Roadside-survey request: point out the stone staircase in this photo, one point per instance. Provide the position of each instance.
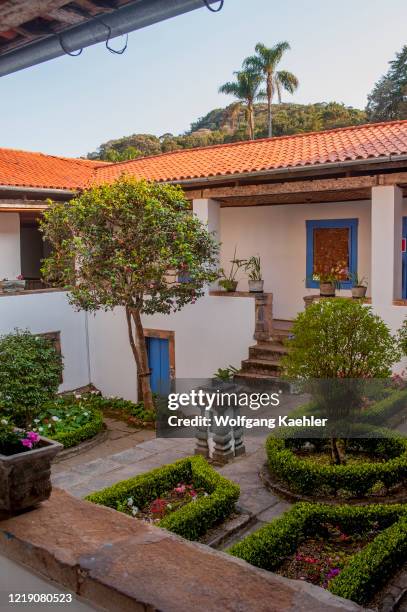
(264, 362)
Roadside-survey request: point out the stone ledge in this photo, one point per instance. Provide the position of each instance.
(251, 294)
(120, 564)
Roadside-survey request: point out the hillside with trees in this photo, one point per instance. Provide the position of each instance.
(228, 124)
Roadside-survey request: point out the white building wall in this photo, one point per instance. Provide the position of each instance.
(51, 312)
(278, 235)
(10, 262)
(213, 333)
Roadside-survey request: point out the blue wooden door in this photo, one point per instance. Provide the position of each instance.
(404, 259)
(159, 364)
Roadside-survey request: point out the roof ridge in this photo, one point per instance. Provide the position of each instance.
(258, 140)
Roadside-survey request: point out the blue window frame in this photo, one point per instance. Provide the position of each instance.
(352, 226)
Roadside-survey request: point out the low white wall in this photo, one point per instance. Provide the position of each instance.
(278, 235)
(215, 332)
(10, 262)
(51, 312)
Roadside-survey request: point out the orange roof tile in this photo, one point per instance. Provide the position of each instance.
(28, 169)
(308, 149)
(370, 141)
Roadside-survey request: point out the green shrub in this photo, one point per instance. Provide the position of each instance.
(309, 478)
(68, 420)
(366, 571)
(121, 405)
(30, 374)
(190, 521)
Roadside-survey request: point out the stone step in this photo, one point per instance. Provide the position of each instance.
(262, 382)
(262, 366)
(267, 350)
(282, 324)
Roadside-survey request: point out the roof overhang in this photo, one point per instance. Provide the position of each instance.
(35, 32)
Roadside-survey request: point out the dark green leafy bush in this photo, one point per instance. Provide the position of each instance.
(119, 404)
(190, 521)
(367, 570)
(30, 374)
(310, 478)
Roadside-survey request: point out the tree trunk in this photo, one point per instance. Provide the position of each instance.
(138, 346)
(251, 121)
(269, 99)
(337, 452)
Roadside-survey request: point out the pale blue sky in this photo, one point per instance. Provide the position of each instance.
(171, 72)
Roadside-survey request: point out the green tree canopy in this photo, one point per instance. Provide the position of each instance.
(126, 244)
(388, 99)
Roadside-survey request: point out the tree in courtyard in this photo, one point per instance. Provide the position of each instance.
(265, 62)
(125, 245)
(246, 88)
(337, 344)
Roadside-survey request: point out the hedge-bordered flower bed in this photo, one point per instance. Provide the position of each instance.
(69, 420)
(190, 521)
(366, 571)
(308, 477)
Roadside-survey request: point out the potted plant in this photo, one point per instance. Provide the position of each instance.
(10, 286)
(228, 281)
(25, 468)
(253, 267)
(359, 286)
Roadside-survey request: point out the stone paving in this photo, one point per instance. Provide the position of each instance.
(90, 471)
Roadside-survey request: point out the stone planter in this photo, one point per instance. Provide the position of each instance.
(327, 289)
(10, 286)
(359, 292)
(25, 478)
(256, 286)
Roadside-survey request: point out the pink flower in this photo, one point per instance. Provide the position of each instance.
(180, 489)
(27, 443)
(33, 437)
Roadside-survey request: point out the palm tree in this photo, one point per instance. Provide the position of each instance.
(265, 62)
(246, 88)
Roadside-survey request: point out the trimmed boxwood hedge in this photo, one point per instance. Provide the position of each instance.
(366, 571)
(308, 477)
(86, 431)
(190, 521)
(392, 406)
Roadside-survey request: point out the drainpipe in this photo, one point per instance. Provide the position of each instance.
(134, 16)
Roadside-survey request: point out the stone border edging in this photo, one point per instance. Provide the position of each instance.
(82, 447)
(277, 487)
(121, 564)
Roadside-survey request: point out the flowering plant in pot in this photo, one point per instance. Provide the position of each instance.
(25, 468)
(253, 267)
(228, 281)
(330, 279)
(359, 286)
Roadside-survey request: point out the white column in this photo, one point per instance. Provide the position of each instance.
(386, 281)
(10, 258)
(208, 212)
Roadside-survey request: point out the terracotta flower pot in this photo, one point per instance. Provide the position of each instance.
(358, 292)
(327, 289)
(25, 478)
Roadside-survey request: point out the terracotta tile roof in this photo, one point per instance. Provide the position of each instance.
(371, 141)
(308, 149)
(27, 169)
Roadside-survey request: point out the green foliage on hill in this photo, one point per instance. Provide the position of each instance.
(228, 124)
(388, 99)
